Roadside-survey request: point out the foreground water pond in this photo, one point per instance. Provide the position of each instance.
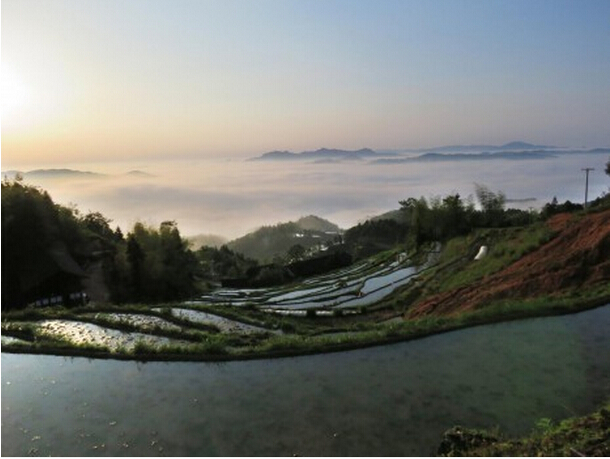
(388, 400)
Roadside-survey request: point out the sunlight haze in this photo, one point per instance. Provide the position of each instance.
(305, 228)
(189, 91)
(92, 80)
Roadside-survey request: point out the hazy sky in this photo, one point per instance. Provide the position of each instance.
(108, 80)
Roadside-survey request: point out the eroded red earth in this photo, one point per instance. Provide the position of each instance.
(577, 257)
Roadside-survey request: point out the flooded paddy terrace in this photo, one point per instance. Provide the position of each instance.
(349, 289)
(225, 318)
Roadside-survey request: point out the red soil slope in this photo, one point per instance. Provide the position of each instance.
(579, 256)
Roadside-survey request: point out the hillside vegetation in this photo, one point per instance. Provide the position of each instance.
(272, 243)
(580, 436)
(49, 253)
(569, 255)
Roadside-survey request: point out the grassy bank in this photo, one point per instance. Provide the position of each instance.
(579, 436)
(163, 335)
(230, 346)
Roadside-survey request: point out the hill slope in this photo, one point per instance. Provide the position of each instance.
(578, 257)
(269, 242)
(313, 223)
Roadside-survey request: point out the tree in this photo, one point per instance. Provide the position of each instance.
(154, 265)
(418, 215)
(454, 217)
(608, 167)
(296, 252)
(135, 258)
(39, 240)
(492, 205)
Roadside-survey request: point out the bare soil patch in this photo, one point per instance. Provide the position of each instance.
(578, 257)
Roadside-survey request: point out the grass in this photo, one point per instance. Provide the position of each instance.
(304, 335)
(337, 331)
(579, 436)
(505, 245)
(355, 334)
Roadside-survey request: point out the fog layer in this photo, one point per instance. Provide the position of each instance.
(233, 197)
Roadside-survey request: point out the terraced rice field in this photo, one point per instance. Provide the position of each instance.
(95, 335)
(348, 289)
(200, 325)
(224, 325)
(125, 332)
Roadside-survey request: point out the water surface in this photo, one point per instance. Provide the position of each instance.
(387, 400)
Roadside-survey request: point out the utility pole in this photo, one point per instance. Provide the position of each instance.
(587, 169)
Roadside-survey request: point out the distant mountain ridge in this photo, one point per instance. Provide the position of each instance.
(323, 154)
(52, 173)
(515, 145)
(331, 155)
(487, 155)
(434, 156)
(57, 174)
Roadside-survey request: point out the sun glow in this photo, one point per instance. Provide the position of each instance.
(16, 95)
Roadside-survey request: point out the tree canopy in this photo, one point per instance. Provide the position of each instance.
(40, 241)
(46, 249)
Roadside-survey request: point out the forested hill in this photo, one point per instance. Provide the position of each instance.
(49, 251)
(314, 223)
(270, 243)
(52, 253)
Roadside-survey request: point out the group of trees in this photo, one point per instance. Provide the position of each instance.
(217, 263)
(152, 265)
(37, 236)
(441, 219)
(46, 249)
(373, 236)
(437, 219)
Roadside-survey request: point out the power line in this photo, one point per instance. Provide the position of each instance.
(587, 169)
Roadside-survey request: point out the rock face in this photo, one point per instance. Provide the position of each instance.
(578, 257)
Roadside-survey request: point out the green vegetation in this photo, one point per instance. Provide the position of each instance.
(373, 236)
(506, 245)
(216, 264)
(580, 436)
(46, 248)
(149, 270)
(272, 243)
(152, 265)
(41, 245)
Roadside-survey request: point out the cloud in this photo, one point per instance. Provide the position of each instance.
(233, 198)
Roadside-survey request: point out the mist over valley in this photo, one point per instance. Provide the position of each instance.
(228, 198)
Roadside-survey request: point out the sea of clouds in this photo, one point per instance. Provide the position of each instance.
(231, 197)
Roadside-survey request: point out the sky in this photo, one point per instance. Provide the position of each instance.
(88, 80)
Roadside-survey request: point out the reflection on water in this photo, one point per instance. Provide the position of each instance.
(95, 335)
(223, 324)
(389, 400)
